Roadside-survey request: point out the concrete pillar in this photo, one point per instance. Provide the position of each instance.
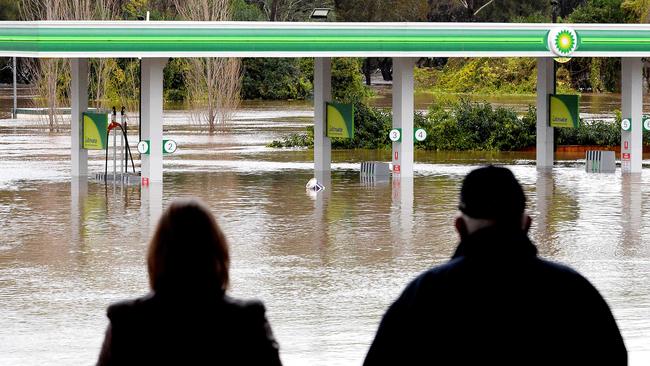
(152, 117)
(632, 108)
(403, 93)
(322, 94)
(545, 86)
(79, 99)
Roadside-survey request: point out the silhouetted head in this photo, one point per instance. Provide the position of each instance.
(188, 251)
(491, 196)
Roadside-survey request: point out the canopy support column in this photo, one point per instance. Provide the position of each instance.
(322, 95)
(545, 85)
(632, 108)
(403, 91)
(152, 117)
(79, 99)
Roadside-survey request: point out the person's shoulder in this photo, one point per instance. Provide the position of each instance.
(434, 278)
(557, 269)
(563, 275)
(251, 307)
(129, 308)
(440, 272)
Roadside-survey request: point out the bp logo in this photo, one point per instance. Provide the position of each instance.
(563, 41)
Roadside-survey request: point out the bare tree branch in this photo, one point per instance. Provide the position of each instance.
(213, 84)
(482, 7)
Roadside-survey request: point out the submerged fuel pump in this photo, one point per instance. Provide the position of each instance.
(127, 149)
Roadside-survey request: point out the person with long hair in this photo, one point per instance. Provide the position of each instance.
(187, 318)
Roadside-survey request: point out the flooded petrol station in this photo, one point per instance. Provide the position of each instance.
(326, 264)
(326, 267)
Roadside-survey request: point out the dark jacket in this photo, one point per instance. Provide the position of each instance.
(161, 330)
(496, 303)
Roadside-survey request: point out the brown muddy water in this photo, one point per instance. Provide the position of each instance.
(326, 267)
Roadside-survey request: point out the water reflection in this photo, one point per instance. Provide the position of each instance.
(78, 195)
(152, 203)
(631, 211)
(402, 211)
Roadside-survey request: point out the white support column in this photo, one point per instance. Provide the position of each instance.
(152, 117)
(403, 115)
(545, 86)
(79, 97)
(322, 94)
(632, 108)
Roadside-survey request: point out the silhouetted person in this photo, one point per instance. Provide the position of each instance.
(495, 302)
(187, 319)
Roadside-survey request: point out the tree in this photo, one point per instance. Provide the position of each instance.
(291, 10)
(638, 10)
(9, 10)
(593, 73)
(49, 75)
(213, 84)
(381, 10)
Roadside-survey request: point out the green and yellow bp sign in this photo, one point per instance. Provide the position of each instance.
(564, 111)
(340, 120)
(95, 126)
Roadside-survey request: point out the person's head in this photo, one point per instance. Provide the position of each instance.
(491, 196)
(188, 251)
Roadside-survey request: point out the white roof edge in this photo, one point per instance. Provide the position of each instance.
(317, 25)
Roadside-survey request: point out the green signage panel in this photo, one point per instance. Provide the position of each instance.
(340, 120)
(95, 126)
(564, 111)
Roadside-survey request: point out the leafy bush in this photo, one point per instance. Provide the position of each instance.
(291, 78)
(463, 125)
(273, 78)
(600, 133)
(371, 128)
(295, 140)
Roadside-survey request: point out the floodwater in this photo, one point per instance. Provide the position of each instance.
(326, 267)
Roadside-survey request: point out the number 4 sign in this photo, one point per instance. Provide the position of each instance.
(420, 134)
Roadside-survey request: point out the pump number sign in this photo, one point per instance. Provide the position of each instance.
(143, 147)
(420, 134)
(395, 135)
(169, 146)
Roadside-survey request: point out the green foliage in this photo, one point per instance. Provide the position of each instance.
(371, 128)
(291, 78)
(347, 81)
(599, 133)
(464, 125)
(481, 76)
(461, 126)
(174, 79)
(274, 78)
(638, 10)
(599, 11)
(295, 140)
(243, 11)
(132, 9)
(477, 126)
(9, 10)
